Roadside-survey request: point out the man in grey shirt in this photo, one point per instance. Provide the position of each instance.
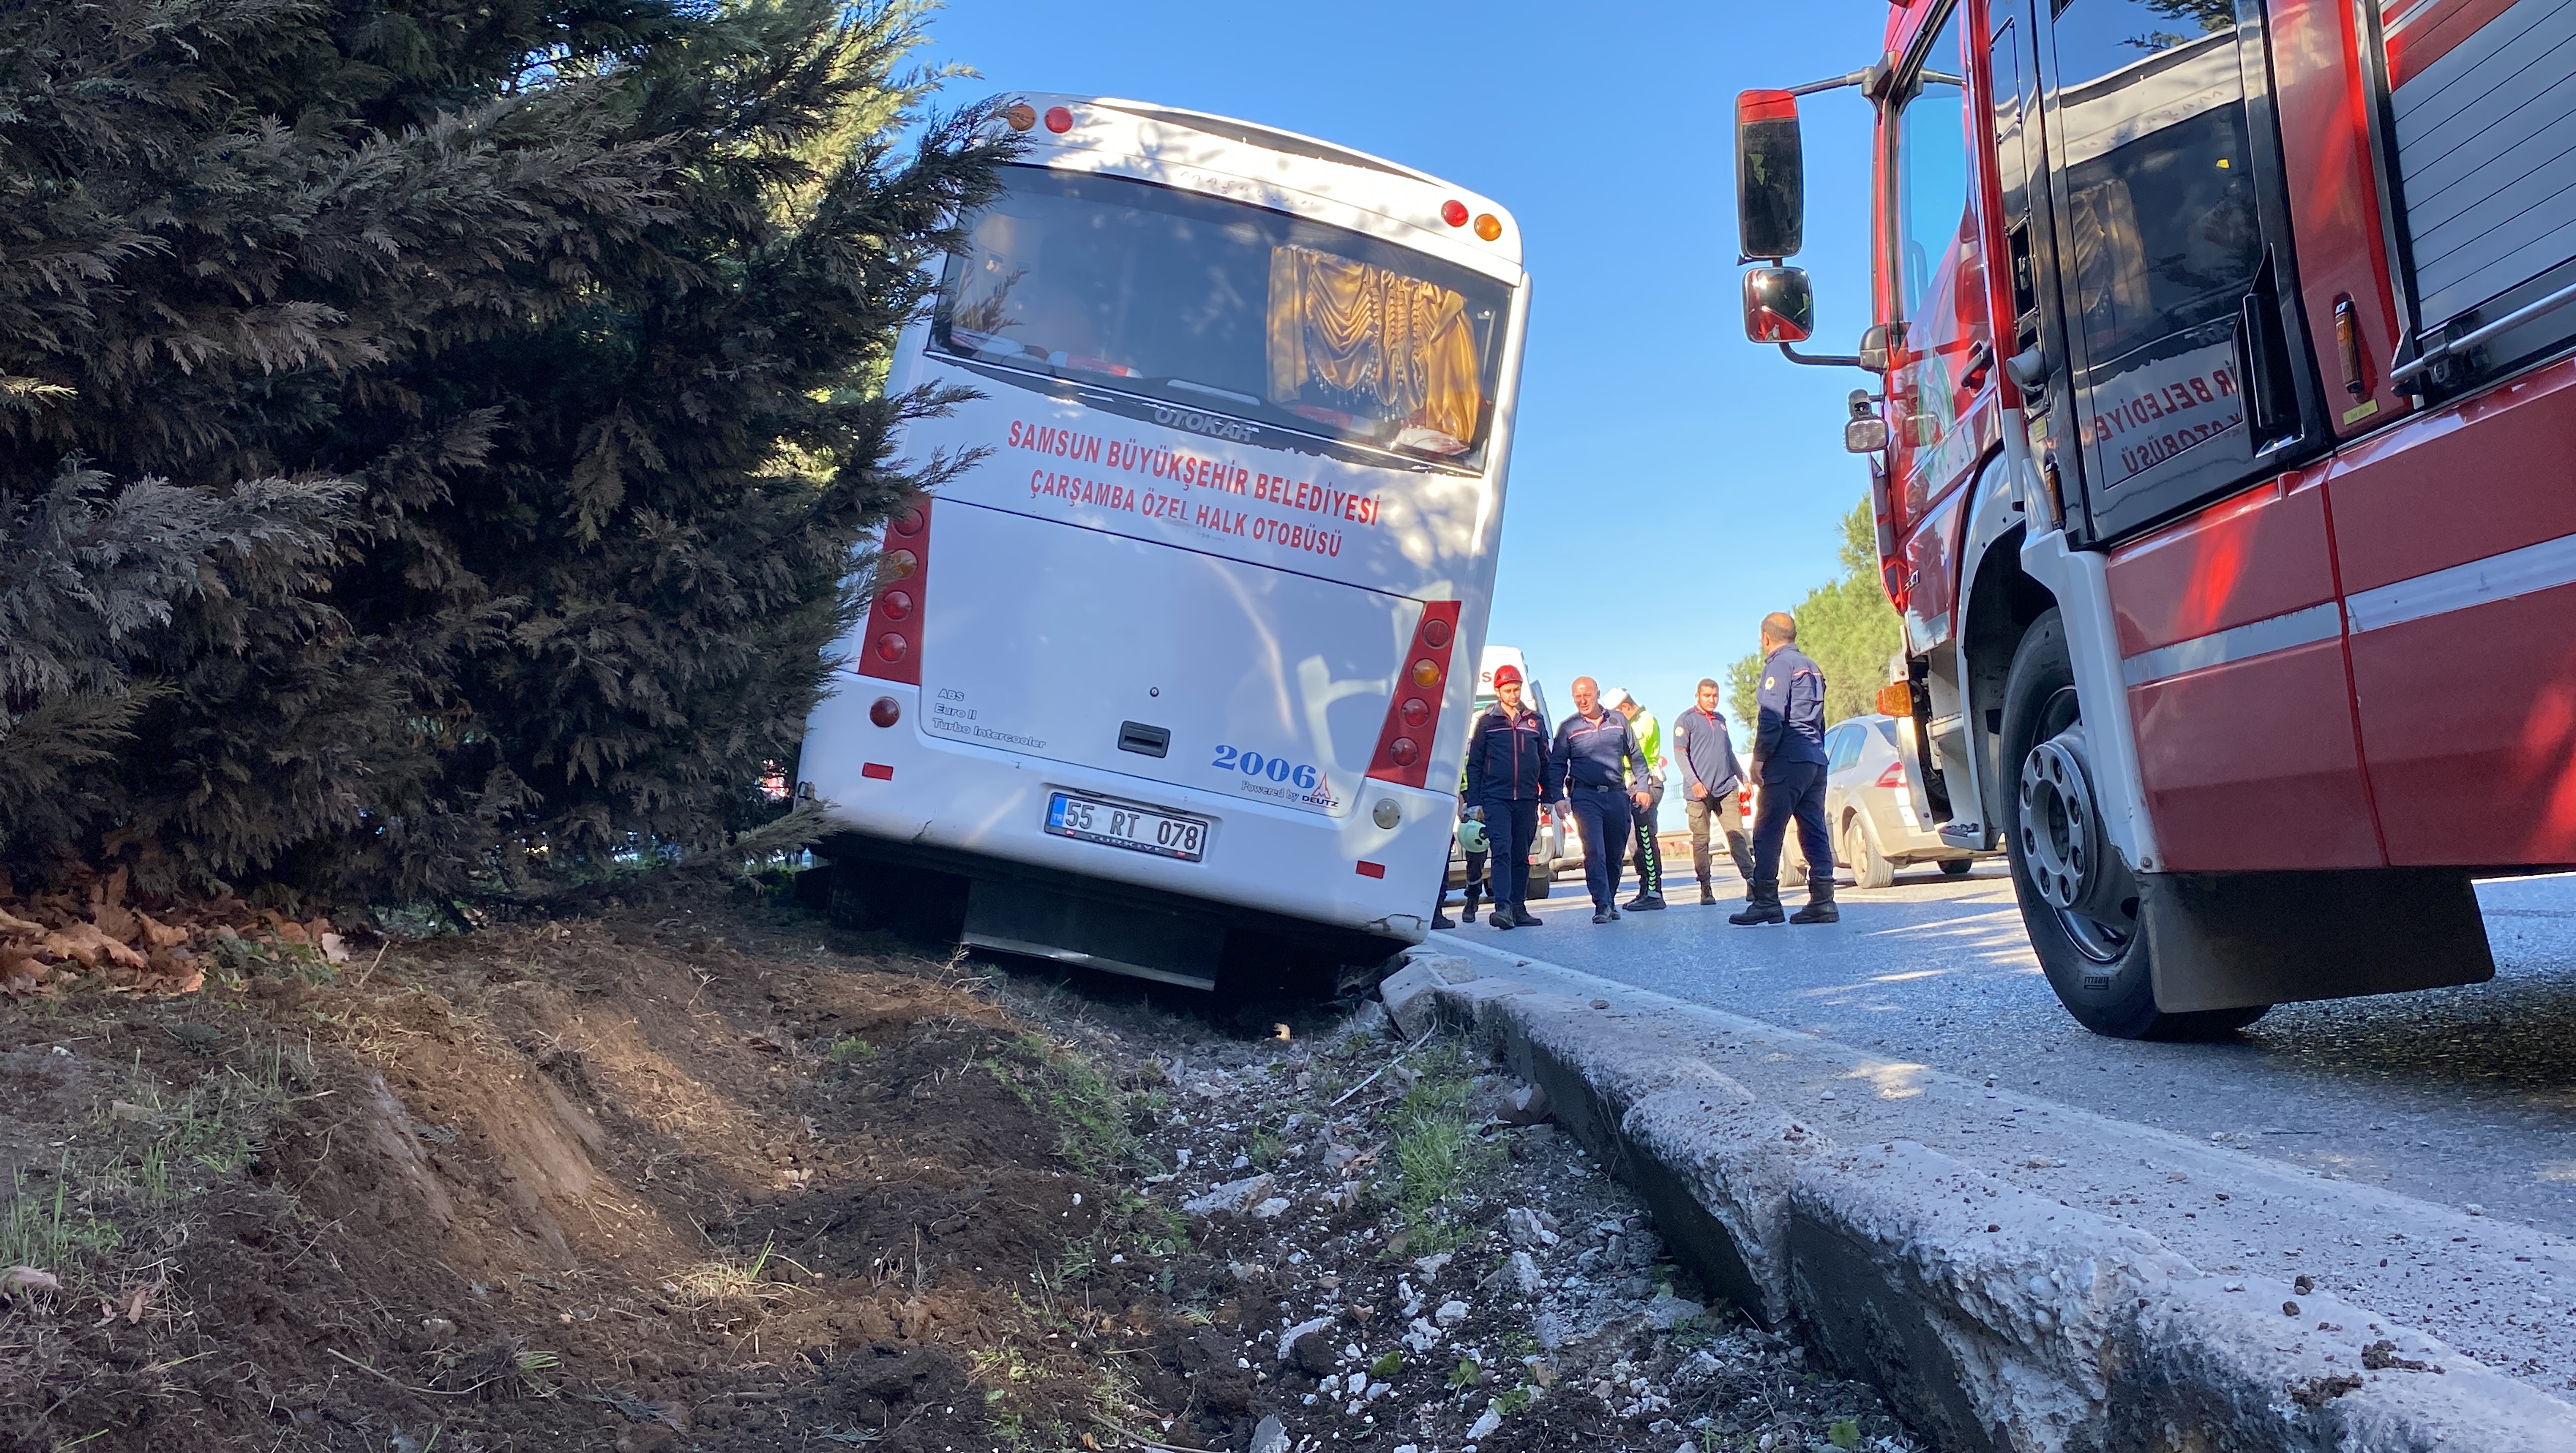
(1712, 779)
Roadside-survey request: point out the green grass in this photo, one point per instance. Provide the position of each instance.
(1435, 1151)
(162, 1150)
(1094, 1122)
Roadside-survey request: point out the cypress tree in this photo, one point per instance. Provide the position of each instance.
(434, 434)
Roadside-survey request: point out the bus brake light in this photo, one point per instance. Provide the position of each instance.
(1454, 212)
(1059, 120)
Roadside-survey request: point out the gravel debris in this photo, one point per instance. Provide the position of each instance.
(1415, 1259)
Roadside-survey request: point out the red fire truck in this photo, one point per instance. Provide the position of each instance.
(2223, 452)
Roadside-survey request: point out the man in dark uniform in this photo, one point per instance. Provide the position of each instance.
(1508, 778)
(1789, 762)
(1605, 774)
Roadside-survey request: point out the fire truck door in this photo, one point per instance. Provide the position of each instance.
(2186, 373)
(2182, 412)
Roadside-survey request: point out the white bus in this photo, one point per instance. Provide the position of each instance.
(1174, 679)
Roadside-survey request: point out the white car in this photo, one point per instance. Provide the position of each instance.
(1870, 809)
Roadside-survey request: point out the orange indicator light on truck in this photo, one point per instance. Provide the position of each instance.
(1021, 115)
(1489, 226)
(901, 563)
(1426, 673)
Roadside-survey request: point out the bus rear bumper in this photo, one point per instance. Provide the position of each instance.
(979, 812)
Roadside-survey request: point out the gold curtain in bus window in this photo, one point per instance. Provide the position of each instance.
(1370, 331)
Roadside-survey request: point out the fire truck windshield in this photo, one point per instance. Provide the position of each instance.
(1226, 308)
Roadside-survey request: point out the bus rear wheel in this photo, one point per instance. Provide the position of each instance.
(2078, 899)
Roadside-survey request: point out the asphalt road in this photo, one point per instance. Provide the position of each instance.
(2463, 1097)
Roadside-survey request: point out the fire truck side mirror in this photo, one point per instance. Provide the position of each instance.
(1778, 305)
(1770, 176)
(1876, 342)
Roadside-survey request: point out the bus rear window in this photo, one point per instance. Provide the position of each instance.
(1227, 308)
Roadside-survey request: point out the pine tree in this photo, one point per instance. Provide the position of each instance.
(445, 425)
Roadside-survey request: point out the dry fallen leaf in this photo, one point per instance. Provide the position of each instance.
(29, 1279)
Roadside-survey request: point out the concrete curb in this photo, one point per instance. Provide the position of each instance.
(1993, 1318)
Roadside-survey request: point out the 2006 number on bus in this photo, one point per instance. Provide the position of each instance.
(1094, 821)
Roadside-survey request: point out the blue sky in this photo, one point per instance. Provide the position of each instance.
(1671, 482)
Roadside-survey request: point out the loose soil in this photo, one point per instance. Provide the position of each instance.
(708, 1173)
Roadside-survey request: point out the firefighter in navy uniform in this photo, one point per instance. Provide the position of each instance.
(1508, 779)
(1789, 762)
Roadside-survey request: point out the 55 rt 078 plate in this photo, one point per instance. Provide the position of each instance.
(1164, 834)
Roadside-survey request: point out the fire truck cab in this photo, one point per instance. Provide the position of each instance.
(2223, 450)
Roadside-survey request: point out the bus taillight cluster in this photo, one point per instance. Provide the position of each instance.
(1403, 744)
(890, 649)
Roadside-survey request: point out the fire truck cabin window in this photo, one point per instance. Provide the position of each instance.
(2161, 225)
(1932, 172)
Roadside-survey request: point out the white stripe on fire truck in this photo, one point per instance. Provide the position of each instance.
(2545, 566)
(2254, 638)
(2549, 565)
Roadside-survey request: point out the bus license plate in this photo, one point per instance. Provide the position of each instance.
(1165, 835)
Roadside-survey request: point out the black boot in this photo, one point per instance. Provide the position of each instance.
(1522, 916)
(1470, 914)
(1501, 917)
(1644, 903)
(1761, 905)
(1442, 920)
(1820, 902)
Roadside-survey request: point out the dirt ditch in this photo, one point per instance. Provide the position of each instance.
(714, 1175)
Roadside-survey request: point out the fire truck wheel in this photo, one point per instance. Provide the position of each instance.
(1870, 867)
(2078, 899)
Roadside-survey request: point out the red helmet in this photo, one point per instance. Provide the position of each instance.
(1507, 676)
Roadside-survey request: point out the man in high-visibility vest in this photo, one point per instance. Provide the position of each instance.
(1650, 740)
